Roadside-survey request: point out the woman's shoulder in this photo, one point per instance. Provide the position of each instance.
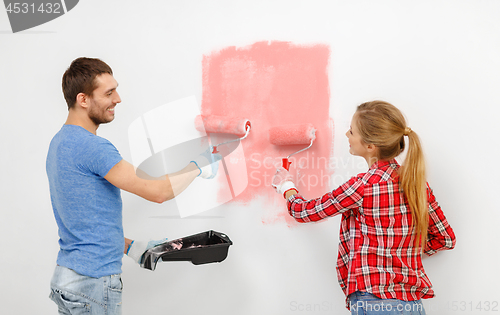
(380, 171)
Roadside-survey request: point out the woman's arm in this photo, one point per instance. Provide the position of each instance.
(347, 196)
(291, 192)
(440, 235)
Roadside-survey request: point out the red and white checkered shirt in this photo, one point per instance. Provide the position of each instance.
(376, 252)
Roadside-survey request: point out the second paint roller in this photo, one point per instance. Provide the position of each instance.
(292, 135)
(221, 124)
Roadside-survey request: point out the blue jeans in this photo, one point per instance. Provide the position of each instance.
(363, 303)
(75, 294)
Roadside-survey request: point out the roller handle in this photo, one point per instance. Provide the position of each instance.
(286, 164)
(247, 127)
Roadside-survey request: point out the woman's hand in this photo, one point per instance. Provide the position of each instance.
(283, 181)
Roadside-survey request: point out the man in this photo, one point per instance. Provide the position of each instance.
(86, 174)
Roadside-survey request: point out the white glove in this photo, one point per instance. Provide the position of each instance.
(137, 249)
(208, 163)
(283, 181)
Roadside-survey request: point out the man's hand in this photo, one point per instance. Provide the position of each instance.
(137, 249)
(208, 163)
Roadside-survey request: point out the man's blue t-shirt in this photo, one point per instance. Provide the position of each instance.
(87, 208)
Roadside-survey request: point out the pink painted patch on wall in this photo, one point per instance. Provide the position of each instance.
(274, 84)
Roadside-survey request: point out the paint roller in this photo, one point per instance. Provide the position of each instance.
(220, 124)
(292, 135)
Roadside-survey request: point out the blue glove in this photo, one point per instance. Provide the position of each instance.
(208, 163)
(137, 249)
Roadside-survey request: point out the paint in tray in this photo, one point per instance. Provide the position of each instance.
(202, 248)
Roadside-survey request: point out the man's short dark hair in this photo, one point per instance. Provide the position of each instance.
(80, 78)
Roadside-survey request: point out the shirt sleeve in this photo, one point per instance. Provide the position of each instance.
(440, 235)
(347, 196)
(98, 156)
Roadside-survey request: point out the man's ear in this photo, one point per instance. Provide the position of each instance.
(82, 100)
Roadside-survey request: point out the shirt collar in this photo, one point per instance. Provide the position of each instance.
(384, 163)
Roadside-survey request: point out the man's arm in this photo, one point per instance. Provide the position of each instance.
(128, 242)
(123, 176)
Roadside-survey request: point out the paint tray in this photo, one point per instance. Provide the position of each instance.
(202, 248)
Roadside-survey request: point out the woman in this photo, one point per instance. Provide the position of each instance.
(389, 216)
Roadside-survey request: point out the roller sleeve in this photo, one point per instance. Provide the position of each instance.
(292, 134)
(221, 124)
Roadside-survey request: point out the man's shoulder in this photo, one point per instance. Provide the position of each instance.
(78, 143)
(80, 136)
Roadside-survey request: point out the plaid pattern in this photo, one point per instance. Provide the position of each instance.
(376, 252)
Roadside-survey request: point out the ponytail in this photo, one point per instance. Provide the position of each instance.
(413, 182)
(383, 125)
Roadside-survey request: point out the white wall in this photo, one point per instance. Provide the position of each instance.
(436, 60)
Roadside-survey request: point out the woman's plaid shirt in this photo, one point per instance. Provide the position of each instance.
(376, 252)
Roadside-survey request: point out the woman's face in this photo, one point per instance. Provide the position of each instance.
(356, 145)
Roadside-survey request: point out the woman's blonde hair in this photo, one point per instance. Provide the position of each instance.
(383, 125)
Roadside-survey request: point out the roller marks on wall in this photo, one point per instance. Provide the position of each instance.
(272, 84)
(269, 83)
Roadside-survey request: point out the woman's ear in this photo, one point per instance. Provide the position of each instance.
(371, 148)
